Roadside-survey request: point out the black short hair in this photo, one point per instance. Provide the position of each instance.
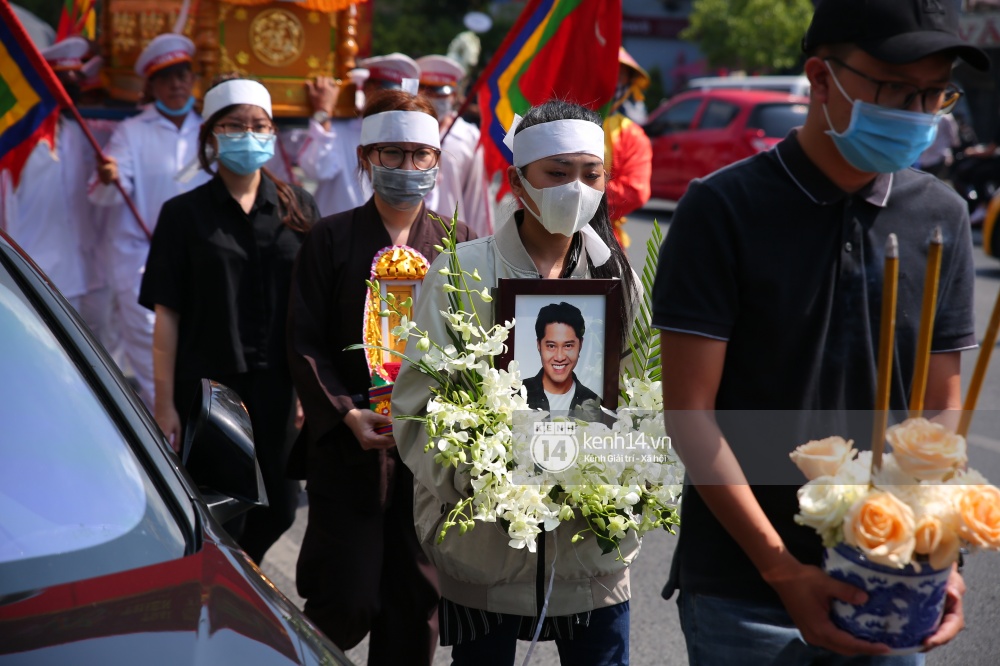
(560, 313)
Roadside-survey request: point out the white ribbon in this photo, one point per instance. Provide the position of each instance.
(558, 137)
(411, 86)
(401, 127)
(597, 250)
(236, 91)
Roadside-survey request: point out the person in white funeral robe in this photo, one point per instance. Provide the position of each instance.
(48, 212)
(329, 153)
(97, 301)
(146, 153)
(462, 176)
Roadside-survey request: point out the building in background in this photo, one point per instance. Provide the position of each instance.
(651, 33)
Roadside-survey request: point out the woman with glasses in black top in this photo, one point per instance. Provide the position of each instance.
(217, 276)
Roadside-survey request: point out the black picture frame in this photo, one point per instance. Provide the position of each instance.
(510, 292)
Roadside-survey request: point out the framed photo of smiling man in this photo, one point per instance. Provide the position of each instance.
(562, 340)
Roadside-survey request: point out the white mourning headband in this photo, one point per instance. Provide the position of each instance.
(401, 127)
(554, 138)
(236, 91)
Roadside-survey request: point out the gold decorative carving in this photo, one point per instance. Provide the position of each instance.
(151, 25)
(207, 40)
(313, 17)
(227, 65)
(123, 31)
(313, 62)
(240, 14)
(277, 37)
(243, 58)
(347, 49)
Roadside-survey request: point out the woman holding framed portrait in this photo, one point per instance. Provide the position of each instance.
(492, 594)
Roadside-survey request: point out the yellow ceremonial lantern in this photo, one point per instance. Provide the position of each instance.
(281, 44)
(399, 270)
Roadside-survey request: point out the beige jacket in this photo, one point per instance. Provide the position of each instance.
(478, 569)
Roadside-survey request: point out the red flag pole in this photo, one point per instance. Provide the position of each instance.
(49, 77)
(100, 155)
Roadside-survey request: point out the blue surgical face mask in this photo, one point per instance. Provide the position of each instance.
(175, 113)
(881, 140)
(245, 153)
(401, 188)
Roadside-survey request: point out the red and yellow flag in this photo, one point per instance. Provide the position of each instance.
(30, 95)
(78, 19)
(557, 49)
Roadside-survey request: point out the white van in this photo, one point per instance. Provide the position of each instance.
(796, 85)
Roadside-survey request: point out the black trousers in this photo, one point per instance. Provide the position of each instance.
(361, 569)
(269, 398)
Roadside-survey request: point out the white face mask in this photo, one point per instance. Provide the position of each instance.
(442, 106)
(564, 209)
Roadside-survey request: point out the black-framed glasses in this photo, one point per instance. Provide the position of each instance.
(900, 95)
(393, 157)
(231, 128)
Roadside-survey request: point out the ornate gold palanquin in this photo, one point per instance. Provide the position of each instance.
(281, 44)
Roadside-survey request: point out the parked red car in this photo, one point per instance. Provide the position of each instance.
(700, 131)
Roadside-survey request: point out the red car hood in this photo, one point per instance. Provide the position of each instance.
(206, 608)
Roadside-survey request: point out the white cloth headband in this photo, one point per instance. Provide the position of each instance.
(557, 137)
(235, 91)
(401, 127)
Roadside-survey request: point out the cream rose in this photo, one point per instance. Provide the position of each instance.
(823, 457)
(926, 450)
(979, 512)
(935, 535)
(881, 527)
(823, 502)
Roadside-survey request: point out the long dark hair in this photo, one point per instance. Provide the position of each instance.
(291, 213)
(617, 266)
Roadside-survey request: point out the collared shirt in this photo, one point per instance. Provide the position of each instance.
(461, 179)
(227, 273)
(772, 257)
(150, 151)
(331, 159)
(945, 141)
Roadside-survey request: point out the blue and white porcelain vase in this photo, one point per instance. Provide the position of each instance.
(904, 605)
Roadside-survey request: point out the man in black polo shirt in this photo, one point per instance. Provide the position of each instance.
(768, 297)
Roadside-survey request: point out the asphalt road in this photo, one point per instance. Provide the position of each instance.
(655, 635)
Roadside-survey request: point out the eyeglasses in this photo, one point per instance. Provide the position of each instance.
(900, 95)
(393, 157)
(231, 129)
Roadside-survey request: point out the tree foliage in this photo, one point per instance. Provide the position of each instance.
(752, 35)
(426, 27)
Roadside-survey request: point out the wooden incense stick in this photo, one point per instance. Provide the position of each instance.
(979, 374)
(928, 309)
(887, 333)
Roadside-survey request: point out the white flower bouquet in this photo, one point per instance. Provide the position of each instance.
(922, 505)
(475, 422)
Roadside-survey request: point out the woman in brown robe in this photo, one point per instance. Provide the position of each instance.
(361, 569)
